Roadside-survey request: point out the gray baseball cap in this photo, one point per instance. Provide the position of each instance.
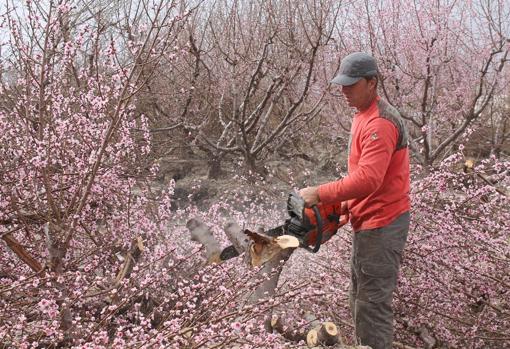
(354, 67)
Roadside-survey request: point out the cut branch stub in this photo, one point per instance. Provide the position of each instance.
(202, 234)
(132, 257)
(287, 241)
(235, 234)
(262, 249)
(186, 332)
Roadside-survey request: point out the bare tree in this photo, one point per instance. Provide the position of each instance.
(443, 71)
(459, 73)
(250, 77)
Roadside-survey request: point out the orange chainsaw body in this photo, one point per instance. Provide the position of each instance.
(333, 217)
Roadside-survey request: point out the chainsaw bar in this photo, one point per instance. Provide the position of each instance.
(228, 252)
(275, 232)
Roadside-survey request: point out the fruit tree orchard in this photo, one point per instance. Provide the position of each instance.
(93, 94)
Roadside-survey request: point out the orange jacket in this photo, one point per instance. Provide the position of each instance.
(377, 186)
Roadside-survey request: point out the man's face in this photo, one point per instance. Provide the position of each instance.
(360, 94)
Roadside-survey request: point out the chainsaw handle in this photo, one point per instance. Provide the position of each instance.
(318, 219)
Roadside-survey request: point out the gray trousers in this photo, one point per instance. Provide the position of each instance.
(376, 256)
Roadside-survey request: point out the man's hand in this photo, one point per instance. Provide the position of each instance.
(310, 195)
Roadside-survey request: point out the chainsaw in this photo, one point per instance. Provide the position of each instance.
(311, 226)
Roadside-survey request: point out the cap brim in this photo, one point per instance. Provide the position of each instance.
(345, 80)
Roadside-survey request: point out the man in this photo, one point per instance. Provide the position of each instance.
(377, 194)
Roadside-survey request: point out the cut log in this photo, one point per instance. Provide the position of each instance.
(286, 331)
(271, 253)
(312, 338)
(326, 334)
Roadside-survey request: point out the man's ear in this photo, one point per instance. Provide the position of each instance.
(373, 83)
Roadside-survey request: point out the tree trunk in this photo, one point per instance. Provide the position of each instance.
(214, 170)
(55, 263)
(252, 168)
(250, 163)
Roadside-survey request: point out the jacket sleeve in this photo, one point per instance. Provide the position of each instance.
(378, 142)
